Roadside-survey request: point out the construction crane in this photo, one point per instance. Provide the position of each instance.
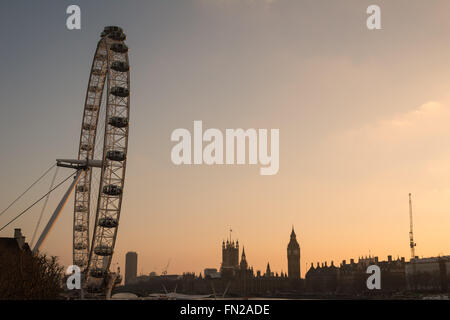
(164, 273)
(412, 244)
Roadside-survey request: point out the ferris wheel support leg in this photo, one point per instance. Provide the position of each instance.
(109, 285)
(56, 213)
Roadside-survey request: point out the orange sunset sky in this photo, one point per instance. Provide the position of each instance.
(364, 119)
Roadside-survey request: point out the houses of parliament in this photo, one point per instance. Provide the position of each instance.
(235, 276)
(232, 267)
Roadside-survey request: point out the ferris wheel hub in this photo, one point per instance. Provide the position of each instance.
(79, 164)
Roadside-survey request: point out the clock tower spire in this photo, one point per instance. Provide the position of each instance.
(293, 257)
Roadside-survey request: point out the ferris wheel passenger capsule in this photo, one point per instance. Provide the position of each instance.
(82, 188)
(120, 66)
(119, 47)
(109, 29)
(112, 190)
(120, 92)
(118, 122)
(117, 35)
(114, 155)
(80, 228)
(98, 273)
(80, 246)
(86, 147)
(103, 251)
(88, 126)
(108, 222)
(91, 107)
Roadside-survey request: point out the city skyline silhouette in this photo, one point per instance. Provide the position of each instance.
(363, 119)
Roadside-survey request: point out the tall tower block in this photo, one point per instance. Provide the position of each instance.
(130, 267)
(293, 257)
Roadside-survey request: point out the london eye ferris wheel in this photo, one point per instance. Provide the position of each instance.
(103, 148)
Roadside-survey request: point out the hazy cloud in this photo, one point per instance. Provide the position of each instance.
(428, 120)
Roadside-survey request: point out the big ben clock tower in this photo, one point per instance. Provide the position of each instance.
(293, 256)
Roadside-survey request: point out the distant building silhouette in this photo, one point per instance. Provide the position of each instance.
(293, 257)
(236, 277)
(14, 245)
(268, 272)
(211, 273)
(244, 270)
(230, 258)
(243, 264)
(350, 278)
(428, 274)
(130, 267)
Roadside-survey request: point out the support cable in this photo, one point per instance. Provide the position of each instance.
(31, 186)
(44, 207)
(37, 201)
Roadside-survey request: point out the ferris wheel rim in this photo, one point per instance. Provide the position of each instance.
(110, 66)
